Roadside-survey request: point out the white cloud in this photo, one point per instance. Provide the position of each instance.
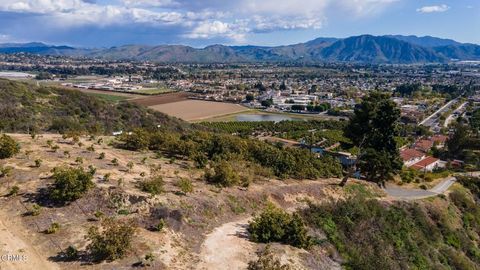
(213, 29)
(433, 9)
(193, 18)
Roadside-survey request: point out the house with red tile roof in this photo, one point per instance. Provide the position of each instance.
(423, 145)
(411, 156)
(428, 164)
(439, 140)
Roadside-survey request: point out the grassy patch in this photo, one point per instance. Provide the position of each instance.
(153, 91)
(108, 97)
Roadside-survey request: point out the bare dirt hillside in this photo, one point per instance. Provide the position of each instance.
(205, 229)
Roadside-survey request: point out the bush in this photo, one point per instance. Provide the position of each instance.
(70, 184)
(115, 162)
(160, 225)
(276, 225)
(222, 174)
(267, 261)
(71, 253)
(8, 147)
(185, 185)
(13, 191)
(5, 171)
(153, 186)
(38, 163)
(112, 241)
(54, 227)
(36, 209)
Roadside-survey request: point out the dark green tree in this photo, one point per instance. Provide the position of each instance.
(8, 147)
(70, 184)
(372, 129)
(458, 141)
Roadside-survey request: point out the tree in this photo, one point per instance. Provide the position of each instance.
(70, 184)
(267, 103)
(222, 174)
(458, 141)
(372, 129)
(111, 242)
(8, 147)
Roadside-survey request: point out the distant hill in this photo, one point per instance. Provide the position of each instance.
(426, 41)
(25, 107)
(374, 49)
(394, 49)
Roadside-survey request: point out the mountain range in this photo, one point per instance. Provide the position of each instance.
(391, 49)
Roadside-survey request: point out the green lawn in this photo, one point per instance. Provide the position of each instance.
(153, 91)
(108, 97)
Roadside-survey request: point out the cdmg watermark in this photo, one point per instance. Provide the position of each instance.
(13, 258)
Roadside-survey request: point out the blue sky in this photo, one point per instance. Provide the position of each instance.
(104, 23)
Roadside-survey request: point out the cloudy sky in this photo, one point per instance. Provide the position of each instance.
(103, 23)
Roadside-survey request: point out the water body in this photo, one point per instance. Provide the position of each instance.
(14, 74)
(264, 117)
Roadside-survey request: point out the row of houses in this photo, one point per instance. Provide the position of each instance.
(416, 157)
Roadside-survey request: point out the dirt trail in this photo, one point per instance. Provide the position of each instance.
(227, 247)
(11, 243)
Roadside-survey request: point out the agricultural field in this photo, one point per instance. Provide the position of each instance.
(191, 110)
(153, 91)
(161, 99)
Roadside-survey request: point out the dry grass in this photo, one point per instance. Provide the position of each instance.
(191, 110)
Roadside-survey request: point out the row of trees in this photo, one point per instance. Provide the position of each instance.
(205, 147)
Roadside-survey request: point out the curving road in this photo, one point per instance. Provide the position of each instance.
(407, 194)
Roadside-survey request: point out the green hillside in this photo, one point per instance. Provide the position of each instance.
(25, 108)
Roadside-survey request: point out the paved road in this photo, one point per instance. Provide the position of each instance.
(429, 121)
(407, 194)
(451, 117)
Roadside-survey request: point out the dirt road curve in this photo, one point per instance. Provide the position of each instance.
(24, 256)
(227, 247)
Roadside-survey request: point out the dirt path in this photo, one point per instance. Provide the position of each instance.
(11, 243)
(227, 247)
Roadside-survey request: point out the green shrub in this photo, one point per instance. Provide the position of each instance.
(115, 162)
(13, 191)
(38, 163)
(123, 212)
(267, 261)
(222, 174)
(160, 225)
(99, 214)
(185, 185)
(70, 184)
(112, 241)
(130, 165)
(153, 186)
(79, 160)
(36, 209)
(5, 171)
(101, 155)
(276, 225)
(370, 234)
(71, 253)
(54, 227)
(8, 147)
